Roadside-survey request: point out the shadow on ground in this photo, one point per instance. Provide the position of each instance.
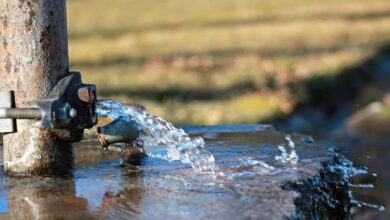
(224, 53)
(328, 99)
(182, 94)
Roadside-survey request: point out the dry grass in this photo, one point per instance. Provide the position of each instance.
(221, 61)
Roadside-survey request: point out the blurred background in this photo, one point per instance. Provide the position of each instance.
(308, 66)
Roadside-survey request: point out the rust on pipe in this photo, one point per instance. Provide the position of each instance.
(33, 58)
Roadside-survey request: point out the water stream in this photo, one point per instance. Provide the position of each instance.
(156, 131)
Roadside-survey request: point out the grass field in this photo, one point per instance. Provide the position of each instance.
(220, 61)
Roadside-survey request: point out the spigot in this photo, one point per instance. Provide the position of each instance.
(118, 131)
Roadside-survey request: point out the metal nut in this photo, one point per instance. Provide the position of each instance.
(64, 114)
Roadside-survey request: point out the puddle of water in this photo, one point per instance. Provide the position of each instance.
(248, 180)
(248, 184)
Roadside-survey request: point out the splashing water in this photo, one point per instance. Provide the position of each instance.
(156, 132)
(285, 157)
(351, 171)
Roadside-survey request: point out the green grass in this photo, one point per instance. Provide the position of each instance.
(220, 61)
(385, 113)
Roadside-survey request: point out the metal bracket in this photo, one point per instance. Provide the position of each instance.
(7, 125)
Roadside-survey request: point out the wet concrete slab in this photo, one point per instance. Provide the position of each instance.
(249, 183)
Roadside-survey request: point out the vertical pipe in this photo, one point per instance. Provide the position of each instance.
(33, 57)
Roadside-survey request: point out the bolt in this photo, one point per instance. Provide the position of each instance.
(20, 113)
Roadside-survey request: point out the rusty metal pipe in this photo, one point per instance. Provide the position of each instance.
(20, 113)
(33, 58)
